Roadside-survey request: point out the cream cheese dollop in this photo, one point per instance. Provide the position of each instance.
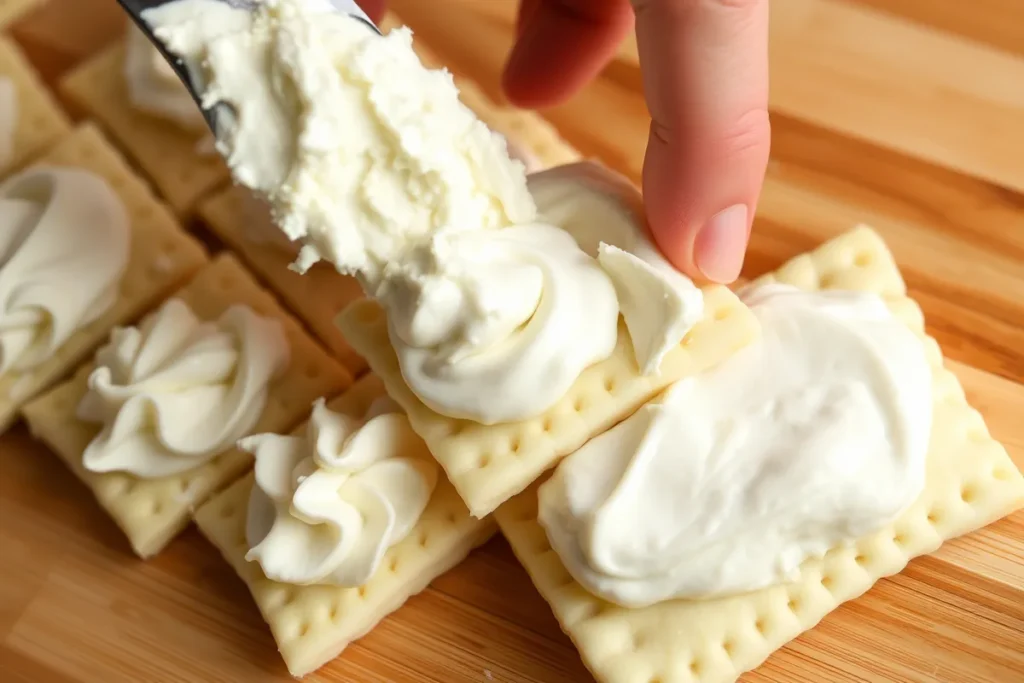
(808, 439)
(359, 148)
(63, 249)
(604, 214)
(175, 391)
(371, 162)
(8, 119)
(327, 504)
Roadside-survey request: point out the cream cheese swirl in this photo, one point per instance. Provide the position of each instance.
(372, 163)
(176, 391)
(63, 250)
(328, 504)
(810, 438)
(604, 214)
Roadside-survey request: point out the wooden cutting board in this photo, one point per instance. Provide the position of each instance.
(906, 114)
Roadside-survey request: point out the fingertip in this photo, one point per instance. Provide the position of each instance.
(720, 245)
(670, 214)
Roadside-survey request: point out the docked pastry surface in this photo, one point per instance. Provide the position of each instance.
(313, 622)
(150, 425)
(970, 481)
(31, 121)
(81, 214)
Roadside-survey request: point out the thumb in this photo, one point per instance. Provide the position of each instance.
(705, 71)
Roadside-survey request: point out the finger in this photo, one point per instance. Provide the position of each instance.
(527, 8)
(375, 9)
(705, 71)
(561, 46)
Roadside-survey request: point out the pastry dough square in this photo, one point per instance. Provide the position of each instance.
(40, 121)
(162, 256)
(313, 624)
(524, 130)
(971, 482)
(488, 464)
(166, 153)
(315, 297)
(152, 511)
(12, 10)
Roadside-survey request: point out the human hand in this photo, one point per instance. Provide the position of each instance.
(705, 74)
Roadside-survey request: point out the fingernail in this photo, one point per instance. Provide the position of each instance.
(721, 244)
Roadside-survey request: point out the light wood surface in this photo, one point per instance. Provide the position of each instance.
(906, 114)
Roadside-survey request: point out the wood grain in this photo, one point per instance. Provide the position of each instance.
(911, 127)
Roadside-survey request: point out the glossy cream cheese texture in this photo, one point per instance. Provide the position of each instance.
(63, 249)
(175, 391)
(810, 438)
(371, 162)
(8, 119)
(327, 504)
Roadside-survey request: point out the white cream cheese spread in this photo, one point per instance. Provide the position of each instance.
(8, 119)
(328, 504)
(175, 391)
(155, 89)
(810, 438)
(372, 163)
(604, 214)
(63, 249)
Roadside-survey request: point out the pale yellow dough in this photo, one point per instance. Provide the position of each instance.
(313, 624)
(971, 482)
(490, 464)
(152, 511)
(40, 121)
(162, 257)
(166, 153)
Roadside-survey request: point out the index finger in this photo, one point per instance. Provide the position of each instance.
(705, 71)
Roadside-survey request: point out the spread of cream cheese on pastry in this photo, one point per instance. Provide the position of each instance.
(155, 89)
(327, 504)
(175, 391)
(810, 438)
(63, 249)
(372, 163)
(604, 214)
(8, 119)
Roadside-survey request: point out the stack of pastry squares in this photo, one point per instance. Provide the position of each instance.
(490, 473)
(970, 482)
